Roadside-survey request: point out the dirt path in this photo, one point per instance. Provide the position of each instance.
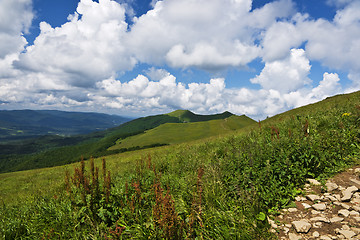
(324, 212)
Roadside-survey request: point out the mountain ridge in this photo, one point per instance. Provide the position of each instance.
(25, 124)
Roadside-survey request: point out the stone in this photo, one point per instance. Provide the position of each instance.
(354, 213)
(337, 196)
(299, 198)
(319, 206)
(288, 225)
(355, 200)
(292, 210)
(316, 234)
(314, 212)
(317, 225)
(357, 219)
(293, 236)
(348, 192)
(355, 181)
(301, 226)
(331, 198)
(313, 181)
(325, 238)
(320, 219)
(347, 233)
(344, 205)
(356, 230)
(313, 197)
(345, 227)
(286, 230)
(344, 213)
(336, 219)
(331, 186)
(357, 170)
(306, 206)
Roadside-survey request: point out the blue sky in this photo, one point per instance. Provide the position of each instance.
(142, 57)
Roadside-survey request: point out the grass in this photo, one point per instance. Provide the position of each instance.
(49, 151)
(174, 133)
(223, 187)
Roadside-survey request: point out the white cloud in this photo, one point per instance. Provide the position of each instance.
(285, 75)
(205, 34)
(15, 20)
(279, 38)
(84, 50)
(336, 43)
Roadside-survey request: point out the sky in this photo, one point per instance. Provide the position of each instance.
(145, 57)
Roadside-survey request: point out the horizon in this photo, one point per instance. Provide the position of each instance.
(147, 57)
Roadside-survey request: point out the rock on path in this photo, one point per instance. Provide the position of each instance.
(334, 214)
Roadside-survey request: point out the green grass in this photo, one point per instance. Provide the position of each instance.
(221, 187)
(173, 133)
(49, 151)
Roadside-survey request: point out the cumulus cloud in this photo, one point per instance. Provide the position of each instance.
(168, 94)
(205, 34)
(84, 50)
(285, 75)
(79, 64)
(335, 43)
(15, 20)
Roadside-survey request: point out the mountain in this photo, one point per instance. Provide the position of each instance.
(188, 116)
(194, 127)
(50, 151)
(25, 124)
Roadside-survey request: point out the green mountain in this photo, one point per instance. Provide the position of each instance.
(25, 124)
(48, 151)
(195, 127)
(188, 116)
(217, 188)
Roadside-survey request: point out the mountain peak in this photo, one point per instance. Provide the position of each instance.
(188, 116)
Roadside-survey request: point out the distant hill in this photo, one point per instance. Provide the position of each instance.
(193, 129)
(24, 124)
(56, 150)
(188, 116)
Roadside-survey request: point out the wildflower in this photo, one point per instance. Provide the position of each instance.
(345, 114)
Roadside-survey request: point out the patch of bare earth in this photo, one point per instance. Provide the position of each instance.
(323, 212)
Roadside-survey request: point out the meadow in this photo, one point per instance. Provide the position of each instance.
(221, 187)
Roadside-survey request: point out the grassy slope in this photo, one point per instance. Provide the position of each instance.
(172, 133)
(54, 151)
(10, 183)
(245, 174)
